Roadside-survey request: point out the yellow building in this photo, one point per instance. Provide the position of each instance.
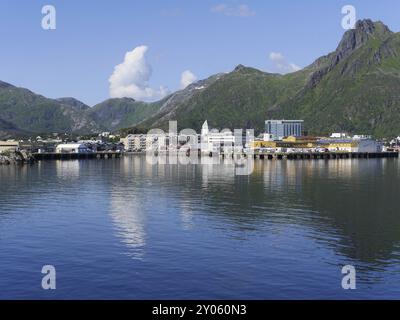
(288, 142)
(318, 144)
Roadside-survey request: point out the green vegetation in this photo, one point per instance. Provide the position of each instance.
(114, 114)
(356, 89)
(29, 112)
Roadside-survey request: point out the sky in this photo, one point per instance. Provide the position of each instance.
(146, 49)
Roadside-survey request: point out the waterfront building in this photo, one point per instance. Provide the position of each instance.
(9, 145)
(144, 142)
(351, 145)
(287, 143)
(279, 129)
(215, 141)
(72, 148)
(134, 142)
(314, 144)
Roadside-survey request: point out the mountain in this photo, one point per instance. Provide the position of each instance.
(120, 113)
(238, 99)
(356, 89)
(21, 111)
(8, 130)
(74, 103)
(4, 85)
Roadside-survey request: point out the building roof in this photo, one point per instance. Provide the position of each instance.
(284, 120)
(71, 145)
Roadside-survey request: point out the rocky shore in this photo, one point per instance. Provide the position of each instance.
(15, 157)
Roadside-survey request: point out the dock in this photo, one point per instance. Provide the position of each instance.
(76, 156)
(293, 155)
(325, 155)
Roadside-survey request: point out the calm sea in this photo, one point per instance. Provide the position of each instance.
(123, 228)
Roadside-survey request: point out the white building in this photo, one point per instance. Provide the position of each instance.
(143, 142)
(72, 148)
(9, 145)
(339, 135)
(213, 141)
(395, 141)
(361, 137)
(105, 134)
(268, 137)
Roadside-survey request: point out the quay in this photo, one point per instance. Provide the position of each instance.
(286, 155)
(325, 155)
(76, 156)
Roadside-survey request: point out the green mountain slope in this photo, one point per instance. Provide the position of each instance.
(120, 113)
(74, 103)
(27, 111)
(8, 130)
(356, 88)
(238, 99)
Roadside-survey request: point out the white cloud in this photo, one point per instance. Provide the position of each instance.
(241, 10)
(187, 77)
(281, 65)
(131, 78)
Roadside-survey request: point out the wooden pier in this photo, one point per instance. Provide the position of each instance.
(76, 156)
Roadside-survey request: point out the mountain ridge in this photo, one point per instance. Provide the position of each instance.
(330, 94)
(355, 88)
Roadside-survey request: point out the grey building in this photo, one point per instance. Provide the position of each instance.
(284, 128)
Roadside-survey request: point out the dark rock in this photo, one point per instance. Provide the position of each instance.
(4, 85)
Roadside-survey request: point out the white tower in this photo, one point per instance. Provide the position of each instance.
(204, 129)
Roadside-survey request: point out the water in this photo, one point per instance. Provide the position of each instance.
(123, 228)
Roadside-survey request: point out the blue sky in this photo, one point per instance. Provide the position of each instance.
(92, 37)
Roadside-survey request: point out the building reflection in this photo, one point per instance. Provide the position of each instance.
(130, 223)
(67, 170)
(126, 209)
(347, 206)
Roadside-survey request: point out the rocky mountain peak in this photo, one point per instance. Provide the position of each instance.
(355, 38)
(352, 40)
(239, 67)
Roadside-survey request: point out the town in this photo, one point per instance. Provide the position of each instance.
(281, 139)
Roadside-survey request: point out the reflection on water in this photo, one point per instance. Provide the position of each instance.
(67, 169)
(202, 231)
(129, 219)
